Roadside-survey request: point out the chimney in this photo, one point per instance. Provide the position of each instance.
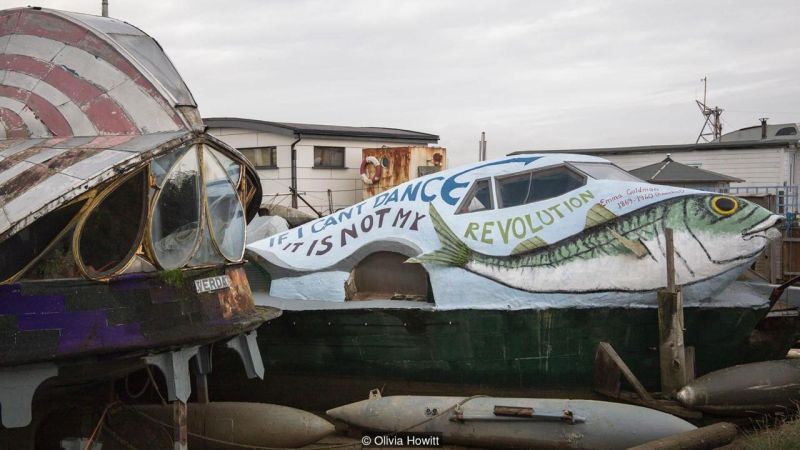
(764, 127)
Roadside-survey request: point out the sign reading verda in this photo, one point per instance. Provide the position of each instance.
(524, 231)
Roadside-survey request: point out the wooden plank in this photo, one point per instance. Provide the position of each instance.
(670, 327)
(668, 235)
(691, 372)
(608, 350)
(513, 411)
(670, 341)
(712, 436)
(180, 428)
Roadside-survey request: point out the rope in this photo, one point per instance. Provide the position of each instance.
(139, 394)
(98, 426)
(457, 405)
(155, 385)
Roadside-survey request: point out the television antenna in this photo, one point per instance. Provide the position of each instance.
(712, 125)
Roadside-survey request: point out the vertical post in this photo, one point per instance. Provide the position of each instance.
(104, 10)
(294, 171)
(180, 428)
(482, 147)
(670, 327)
(669, 237)
(330, 201)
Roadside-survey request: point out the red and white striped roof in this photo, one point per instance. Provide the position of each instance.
(67, 74)
(82, 99)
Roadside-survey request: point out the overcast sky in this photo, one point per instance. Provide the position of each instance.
(532, 74)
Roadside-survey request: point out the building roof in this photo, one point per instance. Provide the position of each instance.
(670, 171)
(732, 145)
(782, 130)
(328, 131)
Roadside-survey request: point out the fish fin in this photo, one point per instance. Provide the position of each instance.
(636, 247)
(453, 251)
(598, 214)
(528, 245)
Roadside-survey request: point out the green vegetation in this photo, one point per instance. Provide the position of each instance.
(172, 277)
(781, 434)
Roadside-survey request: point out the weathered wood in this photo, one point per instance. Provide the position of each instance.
(606, 354)
(670, 260)
(671, 346)
(670, 328)
(691, 371)
(709, 437)
(513, 411)
(180, 427)
(201, 380)
(667, 406)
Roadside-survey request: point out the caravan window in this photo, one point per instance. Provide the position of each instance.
(478, 199)
(604, 171)
(537, 185)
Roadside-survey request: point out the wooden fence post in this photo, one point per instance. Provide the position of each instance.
(670, 327)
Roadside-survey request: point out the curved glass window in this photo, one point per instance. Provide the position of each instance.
(478, 199)
(160, 166)
(225, 211)
(233, 168)
(207, 254)
(786, 131)
(537, 185)
(110, 235)
(20, 249)
(175, 226)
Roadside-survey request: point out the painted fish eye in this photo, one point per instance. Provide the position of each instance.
(724, 205)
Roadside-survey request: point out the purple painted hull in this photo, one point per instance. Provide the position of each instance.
(62, 319)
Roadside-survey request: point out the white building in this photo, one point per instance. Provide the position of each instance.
(743, 154)
(325, 157)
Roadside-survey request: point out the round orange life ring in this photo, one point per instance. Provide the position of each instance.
(378, 170)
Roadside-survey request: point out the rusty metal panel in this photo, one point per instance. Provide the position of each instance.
(400, 164)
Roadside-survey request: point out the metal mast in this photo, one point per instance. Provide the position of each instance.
(712, 125)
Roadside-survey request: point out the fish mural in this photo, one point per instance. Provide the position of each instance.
(723, 231)
(531, 231)
(507, 273)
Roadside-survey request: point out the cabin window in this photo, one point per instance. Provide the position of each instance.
(328, 157)
(604, 171)
(225, 211)
(111, 233)
(19, 250)
(479, 198)
(534, 186)
(786, 131)
(262, 157)
(175, 226)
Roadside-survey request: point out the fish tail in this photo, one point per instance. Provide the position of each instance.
(453, 251)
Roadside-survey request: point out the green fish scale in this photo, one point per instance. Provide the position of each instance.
(598, 242)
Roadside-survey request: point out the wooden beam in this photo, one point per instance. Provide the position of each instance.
(604, 349)
(180, 428)
(712, 436)
(670, 327)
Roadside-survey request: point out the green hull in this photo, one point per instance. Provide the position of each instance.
(321, 359)
(527, 348)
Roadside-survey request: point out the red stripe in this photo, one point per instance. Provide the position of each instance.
(45, 112)
(110, 118)
(46, 25)
(14, 125)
